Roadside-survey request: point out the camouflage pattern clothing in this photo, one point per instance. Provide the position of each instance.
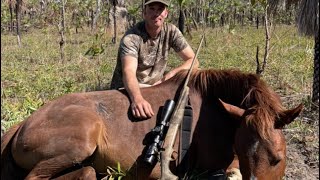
(152, 54)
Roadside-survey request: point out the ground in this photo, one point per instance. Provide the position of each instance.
(303, 147)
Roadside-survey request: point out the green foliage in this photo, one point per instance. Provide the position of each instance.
(264, 3)
(114, 173)
(134, 10)
(79, 14)
(98, 45)
(5, 14)
(95, 50)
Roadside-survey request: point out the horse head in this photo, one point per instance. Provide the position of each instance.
(259, 145)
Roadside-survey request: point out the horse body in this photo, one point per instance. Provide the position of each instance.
(96, 129)
(77, 126)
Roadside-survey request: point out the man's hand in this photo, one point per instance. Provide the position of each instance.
(141, 108)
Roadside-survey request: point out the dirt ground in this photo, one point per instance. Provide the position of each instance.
(303, 147)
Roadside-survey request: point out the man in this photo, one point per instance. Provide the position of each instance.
(143, 55)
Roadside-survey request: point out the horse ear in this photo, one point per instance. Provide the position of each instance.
(288, 116)
(234, 111)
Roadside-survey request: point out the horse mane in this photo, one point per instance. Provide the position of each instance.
(245, 90)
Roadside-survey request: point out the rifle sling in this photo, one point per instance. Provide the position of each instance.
(185, 138)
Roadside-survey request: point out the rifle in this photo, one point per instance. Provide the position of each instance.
(175, 122)
(159, 132)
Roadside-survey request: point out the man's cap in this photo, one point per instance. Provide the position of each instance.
(160, 1)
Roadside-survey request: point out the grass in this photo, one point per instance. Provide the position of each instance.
(34, 74)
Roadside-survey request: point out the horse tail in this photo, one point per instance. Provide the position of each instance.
(9, 169)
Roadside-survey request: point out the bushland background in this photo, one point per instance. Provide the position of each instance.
(51, 48)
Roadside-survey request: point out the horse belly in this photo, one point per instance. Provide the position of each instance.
(113, 155)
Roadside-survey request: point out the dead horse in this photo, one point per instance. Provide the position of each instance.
(80, 135)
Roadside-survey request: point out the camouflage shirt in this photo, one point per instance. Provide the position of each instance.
(152, 54)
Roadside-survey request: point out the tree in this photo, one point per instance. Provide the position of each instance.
(11, 4)
(18, 19)
(96, 16)
(62, 27)
(181, 16)
(114, 3)
(308, 25)
(267, 25)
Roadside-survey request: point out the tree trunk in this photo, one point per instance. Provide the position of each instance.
(222, 20)
(91, 18)
(142, 5)
(114, 40)
(96, 16)
(234, 16)
(308, 25)
(267, 42)
(11, 17)
(62, 29)
(181, 20)
(18, 19)
(251, 17)
(315, 87)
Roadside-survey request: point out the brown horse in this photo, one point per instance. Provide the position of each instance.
(82, 134)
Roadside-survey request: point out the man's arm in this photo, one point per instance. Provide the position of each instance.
(187, 56)
(139, 106)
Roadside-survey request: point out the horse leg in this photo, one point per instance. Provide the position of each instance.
(65, 149)
(85, 173)
(46, 169)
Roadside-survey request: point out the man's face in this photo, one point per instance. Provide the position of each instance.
(155, 14)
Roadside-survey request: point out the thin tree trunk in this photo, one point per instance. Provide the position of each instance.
(222, 20)
(11, 16)
(18, 19)
(268, 37)
(193, 20)
(267, 42)
(61, 30)
(142, 5)
(315, 87)
(115, 22)
(181, 20)
(96, 14)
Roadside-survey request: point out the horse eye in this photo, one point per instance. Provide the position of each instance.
(274, 161)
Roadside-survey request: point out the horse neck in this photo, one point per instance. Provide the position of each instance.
(231, 86)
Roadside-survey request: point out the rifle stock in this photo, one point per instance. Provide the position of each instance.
(175, 122)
